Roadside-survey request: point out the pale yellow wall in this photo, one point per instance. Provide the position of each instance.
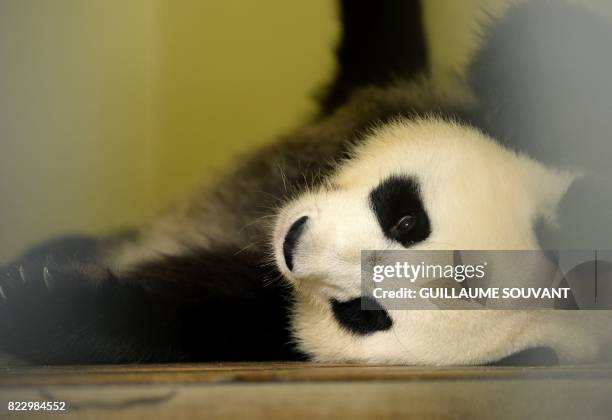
(109, 109)
(234, 74)
(76, 117)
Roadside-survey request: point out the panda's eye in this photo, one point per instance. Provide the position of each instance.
(403, 226)
(399, 209)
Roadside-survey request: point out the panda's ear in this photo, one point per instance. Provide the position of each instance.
(545, 188)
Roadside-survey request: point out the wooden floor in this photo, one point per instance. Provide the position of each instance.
(306, 391)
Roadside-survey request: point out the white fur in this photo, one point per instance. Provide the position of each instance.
(478, 195)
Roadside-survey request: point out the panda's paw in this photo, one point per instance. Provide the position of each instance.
(31, 282)
(46, 267)
(24, 297)
(41, 306)
(26, 282)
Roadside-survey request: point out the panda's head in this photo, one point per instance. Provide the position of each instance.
(422, 184)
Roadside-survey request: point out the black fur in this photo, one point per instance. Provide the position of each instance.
(381, 41)
(204, 306)
(352, 317)
(63, 250)
(395, 198)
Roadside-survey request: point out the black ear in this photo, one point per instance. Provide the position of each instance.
(380, 40)
(543, 79)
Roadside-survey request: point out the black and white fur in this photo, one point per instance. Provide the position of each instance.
(264, 264)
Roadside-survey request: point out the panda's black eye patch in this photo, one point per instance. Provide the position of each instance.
(397, 204)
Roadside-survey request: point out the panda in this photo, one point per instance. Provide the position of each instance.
(265, 263)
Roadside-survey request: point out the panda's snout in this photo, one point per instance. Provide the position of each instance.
(291, 240)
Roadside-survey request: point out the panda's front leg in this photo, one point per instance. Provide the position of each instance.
(61, 304)
(207, 304)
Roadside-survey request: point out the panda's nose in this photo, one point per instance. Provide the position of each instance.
(291, 240)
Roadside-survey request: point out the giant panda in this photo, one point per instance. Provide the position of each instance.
(265, 263)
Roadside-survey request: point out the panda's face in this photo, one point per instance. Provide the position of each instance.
(424, 184)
